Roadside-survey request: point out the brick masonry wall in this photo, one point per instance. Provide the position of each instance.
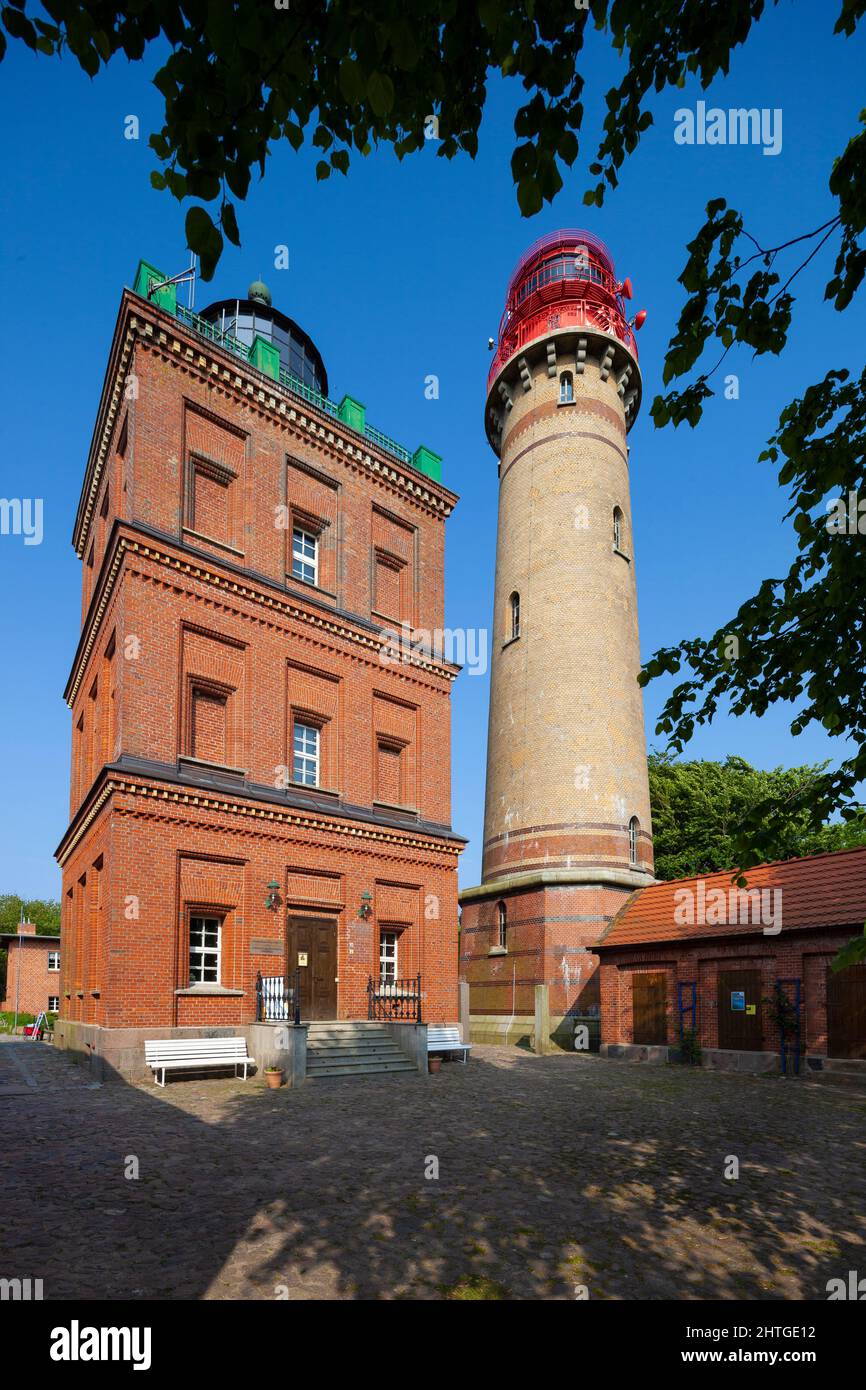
(803, 955)
(160, 623)
(566, 760)
(550, 937)
(172, 851)
(28, 954)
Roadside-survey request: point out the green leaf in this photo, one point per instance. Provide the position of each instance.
(380, 93)
(229, 224)
(204, 239)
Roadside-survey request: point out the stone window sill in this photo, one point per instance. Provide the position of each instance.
(212, 540)
(313, 791)
(212, 767)
(210, 989)
(509, 641)
(622, 555)
(396, 806)
(498, 951)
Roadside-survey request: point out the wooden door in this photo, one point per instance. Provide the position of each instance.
(846, 1012)
(312, 945)
(738, 1029)
(649, 1008)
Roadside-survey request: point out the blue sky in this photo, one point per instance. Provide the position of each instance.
(399, 271)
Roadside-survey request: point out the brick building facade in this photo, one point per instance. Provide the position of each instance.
(700, 955)
(257, 780)
(32, 971)
(567, 832)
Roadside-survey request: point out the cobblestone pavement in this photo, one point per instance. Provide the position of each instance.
(554, 1173)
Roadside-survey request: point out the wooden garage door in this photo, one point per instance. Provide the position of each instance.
(846, 1012)
(738, 1029)
(649, 1007)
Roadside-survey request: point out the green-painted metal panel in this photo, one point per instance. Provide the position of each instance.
(166, 297)
(266, 357)
(353, 413)
(427, 462)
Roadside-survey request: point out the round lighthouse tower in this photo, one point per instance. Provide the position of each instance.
(567, 832)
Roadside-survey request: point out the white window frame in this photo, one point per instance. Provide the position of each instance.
(202, 950)
(305, 555)
(308, 760)
(566, 388)
(388, 955)
(53, 1004)
(53, 956)
(502, 926)
(633, 836)
(617, 529)
(514, 612)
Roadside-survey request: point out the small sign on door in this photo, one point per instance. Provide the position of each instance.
(738, 1001)
(302, 958)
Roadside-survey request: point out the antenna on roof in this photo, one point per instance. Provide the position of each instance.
(184, 277)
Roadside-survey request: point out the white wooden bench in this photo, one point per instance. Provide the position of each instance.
(446, 1040)
(192, 1054)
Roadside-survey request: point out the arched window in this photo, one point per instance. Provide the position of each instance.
(514, 603)
(566, 388)
(502, 926)
(633, 833)
(617, 529)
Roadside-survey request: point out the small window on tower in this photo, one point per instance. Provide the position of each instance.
(633, 833)
(514, 603)
(566, 388)
(617, 529)
(502, 926)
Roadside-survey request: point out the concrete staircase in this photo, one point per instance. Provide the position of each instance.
(352, 1049)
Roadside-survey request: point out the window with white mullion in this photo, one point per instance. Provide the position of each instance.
(204, 950)
(305, 754)
(305, 555)
(388, 957)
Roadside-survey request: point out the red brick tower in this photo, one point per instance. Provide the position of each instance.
(256, 786)
(567, 818)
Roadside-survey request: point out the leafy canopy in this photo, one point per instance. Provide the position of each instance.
(349, 75)
(44, 912)
(698, 809)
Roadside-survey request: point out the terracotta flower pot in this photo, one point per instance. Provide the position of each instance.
(434, 1064)
(274, 1079)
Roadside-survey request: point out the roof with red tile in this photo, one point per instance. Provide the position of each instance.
(825, 890)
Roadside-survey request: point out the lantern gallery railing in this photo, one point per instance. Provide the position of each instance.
(278, 998)
(394, 1001)
(287, 381)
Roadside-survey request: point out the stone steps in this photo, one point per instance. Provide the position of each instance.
(352, 1049)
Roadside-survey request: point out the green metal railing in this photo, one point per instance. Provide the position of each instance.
(290, 383)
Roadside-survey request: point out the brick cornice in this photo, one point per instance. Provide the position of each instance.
(179, 345)
(248, 813)
(131, 541)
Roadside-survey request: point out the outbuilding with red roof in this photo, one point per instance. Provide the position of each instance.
(703, 954)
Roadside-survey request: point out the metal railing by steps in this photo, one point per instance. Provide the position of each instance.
(353, 1049)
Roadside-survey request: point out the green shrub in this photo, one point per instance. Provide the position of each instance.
(691, 1053)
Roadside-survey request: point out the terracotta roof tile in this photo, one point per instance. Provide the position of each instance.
(824, 890)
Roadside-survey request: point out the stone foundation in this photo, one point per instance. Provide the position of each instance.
(519, 1031)
(117, 1054)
